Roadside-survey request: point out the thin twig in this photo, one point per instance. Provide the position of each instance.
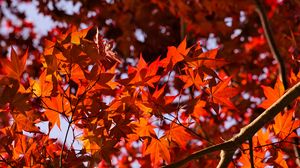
(187, 128)
(251, 152)
(5, 161)
(71, 120)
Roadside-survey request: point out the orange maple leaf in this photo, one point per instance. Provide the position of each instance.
(43, 86)
(262, 138)
(54, 106)
(178, 134)
(15, 67)
(192, 78)
(144, 128)
(143, 74)
(23, 122)
(272, 94)
(175, 55)
(280, 161)
(257, 158)
(208, 59)
(77, 35)
(158, 102)
(158, 149)
(221, 93)
(284, 124)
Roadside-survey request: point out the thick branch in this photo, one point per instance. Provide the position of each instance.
(223, 146)
(226, 157)
(248, 131)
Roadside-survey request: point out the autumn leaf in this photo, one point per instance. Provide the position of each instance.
(121, 128)
(207, 59)
(262, 138)
(144, 128)
(192, 78)
(143, 74)
(280, 161)
(42, 87)
(197, 108)
(158, 149)
(272, 95)
(157, 102)
(16, 66)
(285, 124)
(117, 110)
(24, 148)
(23, 122)
(221, 93)
(178, 134)
(258, 159)
(89, 141)
(175, 55)
(54, 106)
(77, 35)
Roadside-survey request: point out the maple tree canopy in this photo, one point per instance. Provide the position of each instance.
(150, 83)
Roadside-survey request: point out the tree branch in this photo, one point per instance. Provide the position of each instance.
(271, 42)
(229, 146)
(226, 157)
(226, 145)
(251, 153)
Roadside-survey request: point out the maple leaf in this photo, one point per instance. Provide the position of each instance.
(43, 86)
(178, 134)
(23, 122)
(98, 145)
(77, 74)
(90, 141)
(106, 81)
(121, 128)
(280, 161)
(192, 78)
(54, 106)
(157, 102)
(143, 75)
(49, 46)
(24, 148)
(144, 128)
(257, 157)
(20, 102)
(262, 138)
(15, 67)
(158, 149)
(285, 124)
(77, 35)
(175, 55)
(207, 59)
(21, 146)
(50, 62)
(272, 94)
(196, 107)
(221, 93)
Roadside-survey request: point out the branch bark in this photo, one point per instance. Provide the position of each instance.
(271, 42)
(229, 146)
